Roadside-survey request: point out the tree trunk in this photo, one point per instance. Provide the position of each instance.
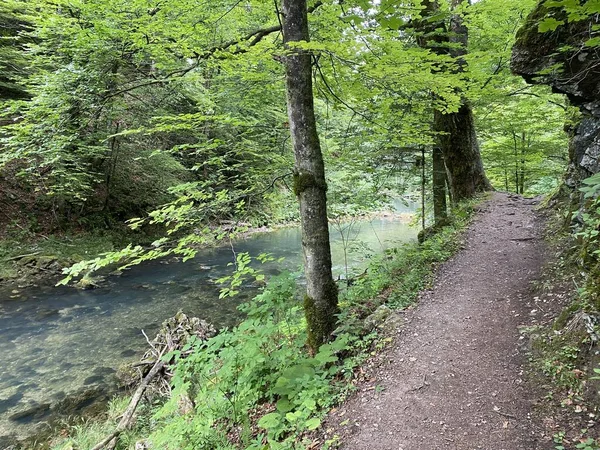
(321, 300)
(523, 152)
(458, 142)
(457, 135)
(505, 166)
(516, 156)
(439, 188)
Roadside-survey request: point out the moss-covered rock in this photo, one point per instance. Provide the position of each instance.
(378, 317)
(561, 59)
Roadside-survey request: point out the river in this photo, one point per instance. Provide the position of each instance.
(59, 343)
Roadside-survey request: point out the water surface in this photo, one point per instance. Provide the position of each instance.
(58, 341)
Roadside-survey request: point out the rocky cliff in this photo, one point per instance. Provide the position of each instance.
(561, 59)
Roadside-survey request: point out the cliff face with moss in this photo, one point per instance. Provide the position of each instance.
(561, 59)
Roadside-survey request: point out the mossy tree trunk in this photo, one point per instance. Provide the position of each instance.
(459, 145)
(321, 300)
(457, 136)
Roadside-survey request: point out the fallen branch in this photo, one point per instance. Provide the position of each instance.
(508, 416)
(14, 258)
(110, 441)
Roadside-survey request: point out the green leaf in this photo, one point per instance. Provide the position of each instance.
(269, 421)
(284, 405)
(313, 424)
(593, 42)
(549, 24)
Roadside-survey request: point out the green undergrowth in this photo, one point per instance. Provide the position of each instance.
(255, 386)
(564, 353)
(25, 253)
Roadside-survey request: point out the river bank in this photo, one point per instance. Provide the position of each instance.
(40, 260)
(239, 407)
(62, 341)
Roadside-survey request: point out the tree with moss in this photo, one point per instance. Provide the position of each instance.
(320, 301)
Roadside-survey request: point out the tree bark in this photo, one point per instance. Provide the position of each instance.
(523, 151)
(321, 299)
(439, 188)
(459, 145)
(456, 131)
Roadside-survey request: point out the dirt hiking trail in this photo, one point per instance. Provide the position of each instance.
(453, 378)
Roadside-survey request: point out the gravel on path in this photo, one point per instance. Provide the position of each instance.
(453, 377)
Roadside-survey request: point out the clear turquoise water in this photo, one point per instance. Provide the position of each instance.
(57, 341)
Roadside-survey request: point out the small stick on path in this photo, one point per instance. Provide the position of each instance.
(508, 416)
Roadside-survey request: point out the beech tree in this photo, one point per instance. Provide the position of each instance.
(456, 129)
(321, 299)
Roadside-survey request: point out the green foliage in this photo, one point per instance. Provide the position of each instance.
(521, 128)
(255, 386)
(13, 63)
(242, 272)
(589, 238)
(584, 443)
(560, 365)
(562, 12)
(259, 372)
(524, 144)
(261, 360)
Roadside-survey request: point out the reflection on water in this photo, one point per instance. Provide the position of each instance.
(56, 341)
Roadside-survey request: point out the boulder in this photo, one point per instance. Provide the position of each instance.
(377, 318)
(561, 60)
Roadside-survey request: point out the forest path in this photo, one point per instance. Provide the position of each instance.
(453, 377)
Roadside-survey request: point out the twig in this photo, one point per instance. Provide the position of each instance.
(110, 441)
(509, 416)
(14, 258)
(149, 343)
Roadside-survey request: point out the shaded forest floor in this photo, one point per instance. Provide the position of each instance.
(456, 374)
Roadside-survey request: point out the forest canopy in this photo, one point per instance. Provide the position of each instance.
(114, 109)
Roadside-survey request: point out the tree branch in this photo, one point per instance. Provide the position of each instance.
(512, 94)
(252, 39)
(111, 439)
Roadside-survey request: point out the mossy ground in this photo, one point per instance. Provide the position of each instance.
(29, 257)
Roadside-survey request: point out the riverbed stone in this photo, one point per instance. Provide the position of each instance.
(94, 379)
(45, 262)
(104, 371)
(33, 411)
(88, 283)
(79, 401)
(45, 313)
(10, 402)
